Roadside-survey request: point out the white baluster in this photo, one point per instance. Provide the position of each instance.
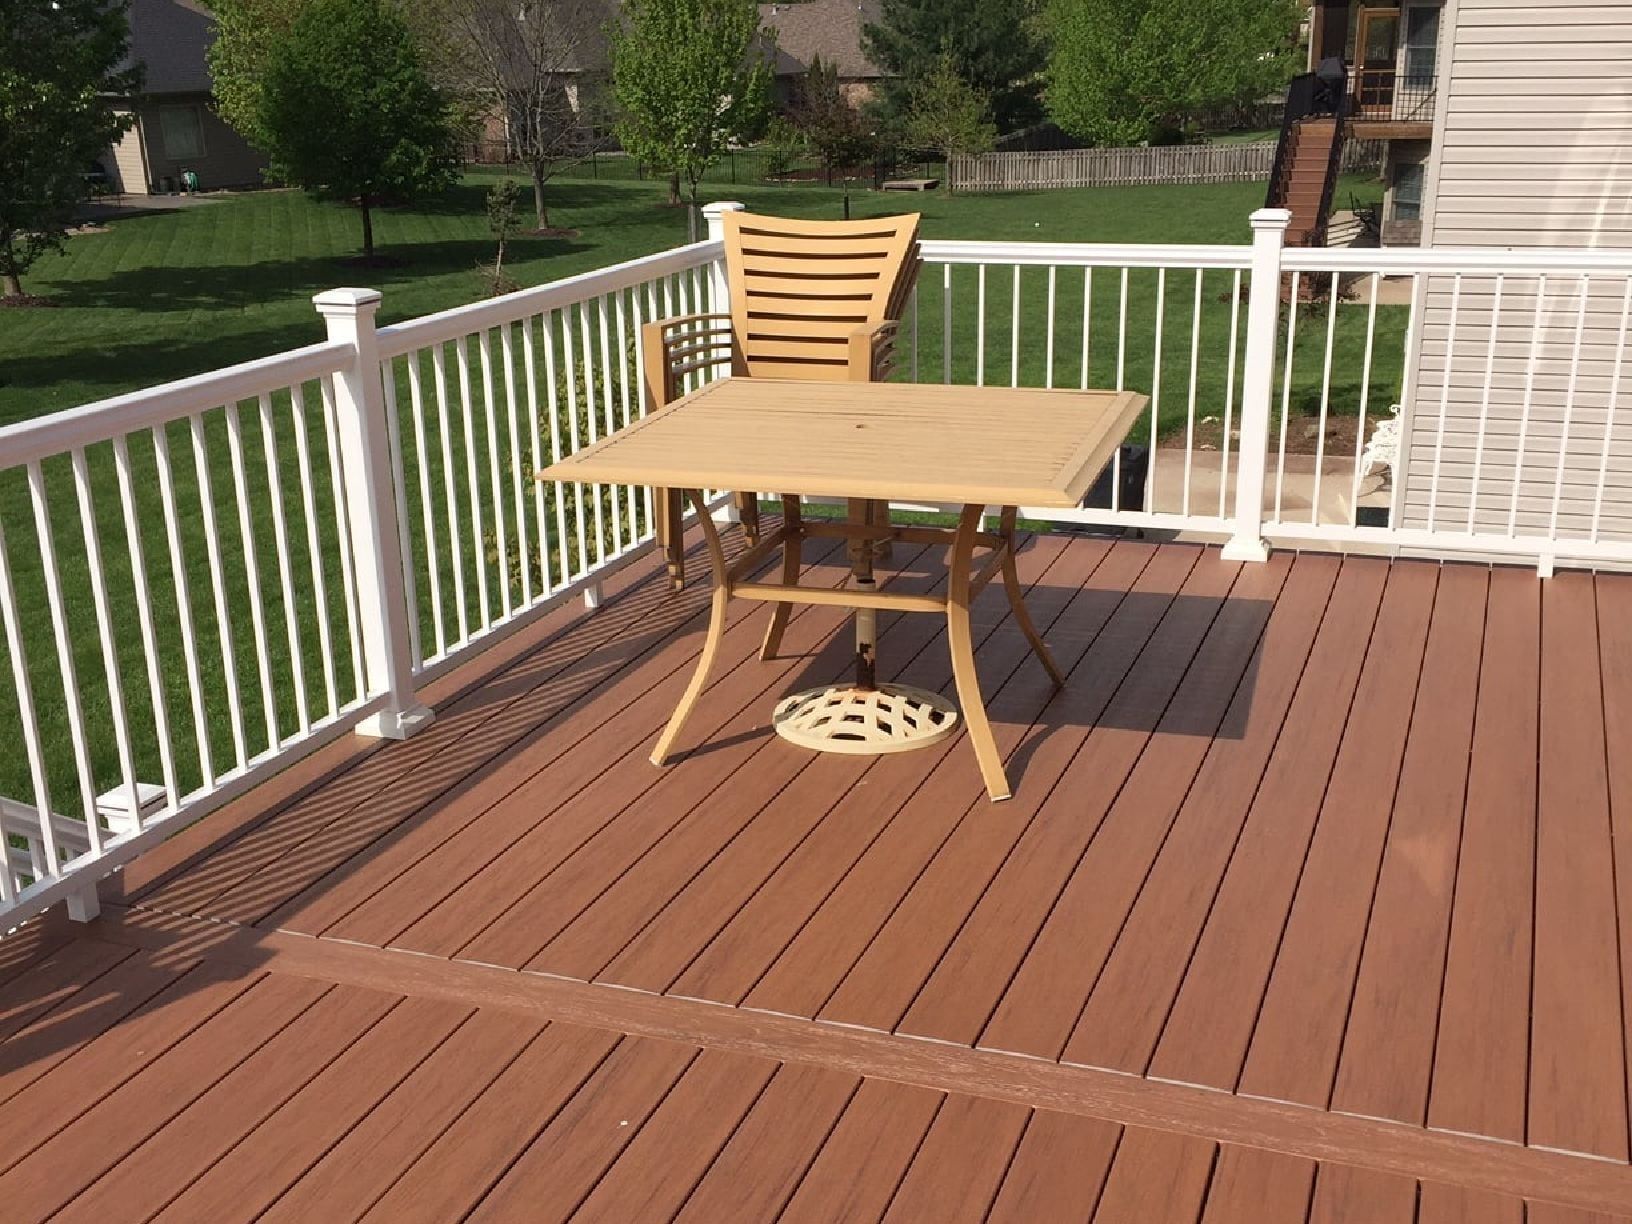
(1263, 306)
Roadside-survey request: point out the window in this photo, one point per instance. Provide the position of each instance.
(1421, 46)
(183, 134)
(1408, 181)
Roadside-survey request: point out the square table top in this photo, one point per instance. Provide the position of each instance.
(924, 442)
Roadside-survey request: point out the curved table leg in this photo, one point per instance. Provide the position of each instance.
(960, 640)
(711, 643)
(791, 546)
(1011, 584)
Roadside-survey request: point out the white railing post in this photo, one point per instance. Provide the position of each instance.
(719, 302)
(371, 510)
(1246, 541)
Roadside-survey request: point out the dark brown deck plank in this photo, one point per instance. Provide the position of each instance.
(740, 953)
(1614, 598)
(51, 981)
(606, 927)
(961, 1162)
(245, 1181)
(1552, 1213)
(1157, 1176)
(59, 1167)
(267, 864)
(1388, 1050)
(168, 1161)
(1438, 1203)
(1577, 1036)
(569, 1156)
(864, 1159)
(25, 948)
(1034, 989)
(1252, 1186)
(663, 1164)
(1207, 1031)
(80, 1021)
(467, 826)
(1295, 1046)
(360, 1168)
(762, 1165)
(472, 1154)
(1130, 999)
(820, 957)
(1348, 1195)
(1481, 1062)
(635, 807)
(543, 825)
(1058, 1171)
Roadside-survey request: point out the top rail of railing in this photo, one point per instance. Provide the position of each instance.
(467, 320)
(60, 432)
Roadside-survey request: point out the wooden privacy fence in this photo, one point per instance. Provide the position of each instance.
(1141, 166)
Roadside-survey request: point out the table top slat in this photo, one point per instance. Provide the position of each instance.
(925, 442)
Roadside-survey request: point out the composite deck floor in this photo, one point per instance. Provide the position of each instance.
(1313, 903)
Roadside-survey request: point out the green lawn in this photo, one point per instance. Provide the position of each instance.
(167, 295)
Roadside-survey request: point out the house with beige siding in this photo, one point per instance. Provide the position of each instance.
(177, 127)
(1531, 151)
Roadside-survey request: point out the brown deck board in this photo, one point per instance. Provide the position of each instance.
(864, 1159)
(474, 1152)
(1300, 1027)
(1279, 836)
(817, 960)
(581, 950)
(1070, 858)
(1577, 1038)
(1209, 1028)
(1388, 1050)
(1123, 1017)
(1058, 1171)
(965, 986)
(766, 1158)
(1481, 1061)
(1156, 1176)
(1252, 1186)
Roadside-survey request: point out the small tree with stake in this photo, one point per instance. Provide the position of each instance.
(61, 66)
(348, 110)
(688, 79)
(945, 113)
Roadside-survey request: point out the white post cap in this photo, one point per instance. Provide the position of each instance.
(720, 207)
(1270, 218)
(346, 301)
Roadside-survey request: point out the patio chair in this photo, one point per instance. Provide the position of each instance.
(809, 300)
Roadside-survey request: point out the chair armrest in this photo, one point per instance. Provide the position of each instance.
(673, 347)
(872, 351)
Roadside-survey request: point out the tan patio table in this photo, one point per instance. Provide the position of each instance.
(978, 448)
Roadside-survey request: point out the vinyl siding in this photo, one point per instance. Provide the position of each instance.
(1533, 149)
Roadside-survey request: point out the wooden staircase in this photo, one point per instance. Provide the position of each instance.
(1301, 185)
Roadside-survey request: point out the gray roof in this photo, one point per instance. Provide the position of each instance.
(170, 39)
(830, 29)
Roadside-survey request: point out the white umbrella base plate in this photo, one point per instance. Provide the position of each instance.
(865, 722)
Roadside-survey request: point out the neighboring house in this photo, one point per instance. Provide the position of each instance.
(1532, 148)
(177, 128)
(829, 29)
(1392, 51)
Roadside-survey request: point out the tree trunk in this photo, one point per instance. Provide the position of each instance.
(363, 202)
(674, 189)
(539, 207)
(11, 284)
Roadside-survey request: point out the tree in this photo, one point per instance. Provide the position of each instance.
(994, 45)
(525, 57)
(61, 68)
(944, 113)
(246, 31)
(347, 110)
(502, 218)
(833, 129)
(1126, 71)
(688, 76)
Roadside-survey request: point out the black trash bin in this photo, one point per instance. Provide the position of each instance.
(1134, 470)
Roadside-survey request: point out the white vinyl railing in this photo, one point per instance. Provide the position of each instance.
(201, 582)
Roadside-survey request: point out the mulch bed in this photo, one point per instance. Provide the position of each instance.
(27, 301)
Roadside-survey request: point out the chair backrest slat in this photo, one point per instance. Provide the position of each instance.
(800, 288)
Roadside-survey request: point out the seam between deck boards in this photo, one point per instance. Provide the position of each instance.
(1583, 1182)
